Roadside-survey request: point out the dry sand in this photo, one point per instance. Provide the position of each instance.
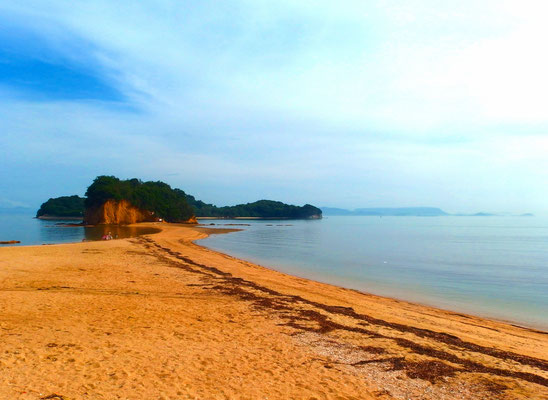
(158, 317)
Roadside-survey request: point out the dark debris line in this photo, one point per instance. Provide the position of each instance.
(429, 370)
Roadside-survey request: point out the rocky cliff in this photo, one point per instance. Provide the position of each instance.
(117, 212)
(122, 213)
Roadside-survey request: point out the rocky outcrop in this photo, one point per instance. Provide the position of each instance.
(118, 213)
(192, 220)
(122, 212)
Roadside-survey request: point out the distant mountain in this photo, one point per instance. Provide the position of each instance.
(488, 214)
(483, 214)
(410, 212)
(387, 212)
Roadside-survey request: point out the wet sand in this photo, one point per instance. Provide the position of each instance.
(159, 317)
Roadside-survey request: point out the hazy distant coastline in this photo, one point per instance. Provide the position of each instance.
(409, 212)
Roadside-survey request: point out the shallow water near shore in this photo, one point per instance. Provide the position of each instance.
(31, 231)
(489, 266)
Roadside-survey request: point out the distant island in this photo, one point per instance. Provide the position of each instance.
(109, 200)
(409, 212)
(267, 209)
(62, 207)
(388, 212)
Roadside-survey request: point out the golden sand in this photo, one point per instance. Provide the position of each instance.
(158, 317)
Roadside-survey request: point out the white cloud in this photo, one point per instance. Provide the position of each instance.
(370, 99)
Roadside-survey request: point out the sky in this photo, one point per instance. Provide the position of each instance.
(345, 104)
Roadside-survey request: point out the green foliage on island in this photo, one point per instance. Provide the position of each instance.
(167, 203)
(65, 206)
(258, 209)
(170, 204)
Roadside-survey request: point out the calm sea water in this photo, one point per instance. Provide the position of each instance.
(31, 231)
(489, 266)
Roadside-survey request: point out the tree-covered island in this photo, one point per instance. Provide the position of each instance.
(62, 207)
(112, 200)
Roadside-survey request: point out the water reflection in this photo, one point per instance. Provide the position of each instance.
(116, 231)
(33, 231)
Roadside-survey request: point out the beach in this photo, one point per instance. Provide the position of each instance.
(160, 317)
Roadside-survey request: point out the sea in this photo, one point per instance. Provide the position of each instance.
(23, 227)
(495, 267)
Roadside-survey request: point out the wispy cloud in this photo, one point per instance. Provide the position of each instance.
(353, 104)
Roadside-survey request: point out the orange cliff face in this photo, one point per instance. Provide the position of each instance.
(118, 213)
(122, 213)
(192, 220)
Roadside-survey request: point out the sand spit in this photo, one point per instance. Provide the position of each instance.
(158, 317)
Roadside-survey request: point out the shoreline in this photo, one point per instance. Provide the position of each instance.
(216, 231)
(381, 347)
(58, 218)
(517, 324)
(418, 302)
(257, 218)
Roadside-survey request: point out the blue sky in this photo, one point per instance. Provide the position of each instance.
(350, 104)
